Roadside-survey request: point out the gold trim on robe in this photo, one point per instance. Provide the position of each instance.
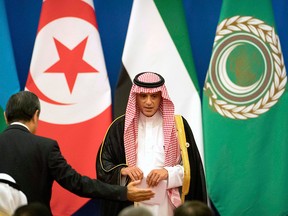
(184, 153)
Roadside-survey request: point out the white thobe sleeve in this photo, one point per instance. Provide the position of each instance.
(175, 176)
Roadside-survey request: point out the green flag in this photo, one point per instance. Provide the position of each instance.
(9, 83)
(245, 113)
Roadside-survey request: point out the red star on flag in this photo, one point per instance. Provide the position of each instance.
(71, 62)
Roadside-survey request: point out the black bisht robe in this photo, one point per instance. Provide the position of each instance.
(111, 159)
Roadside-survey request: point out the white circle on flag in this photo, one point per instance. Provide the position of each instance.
(91, 93)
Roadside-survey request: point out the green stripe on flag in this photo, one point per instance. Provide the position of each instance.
(173, 15)
(2, 120)
(248, 8)
(175, 22)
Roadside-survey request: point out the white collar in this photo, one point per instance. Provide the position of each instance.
(20, 123)
(154, 120)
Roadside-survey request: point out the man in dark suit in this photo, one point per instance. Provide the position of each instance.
(35, 162)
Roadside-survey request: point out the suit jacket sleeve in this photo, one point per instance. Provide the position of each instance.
(80, 185)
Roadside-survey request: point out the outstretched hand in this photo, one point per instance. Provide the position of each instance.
(135, 194)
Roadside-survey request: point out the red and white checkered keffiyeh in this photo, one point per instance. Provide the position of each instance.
(171, 147)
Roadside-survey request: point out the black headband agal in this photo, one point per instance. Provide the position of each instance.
(148, 85)
(11, 184)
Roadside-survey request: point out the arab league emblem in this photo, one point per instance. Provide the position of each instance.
(246, 76)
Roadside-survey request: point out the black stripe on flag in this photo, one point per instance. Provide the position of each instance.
(122, 92)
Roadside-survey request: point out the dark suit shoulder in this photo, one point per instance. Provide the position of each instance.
(41, 139)
(19, 135)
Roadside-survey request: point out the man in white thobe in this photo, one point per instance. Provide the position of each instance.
(151, 156)
(142, 145)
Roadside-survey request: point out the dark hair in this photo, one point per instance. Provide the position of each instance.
(33, 209)
(22, 106)
(193, 208)
(135, 211)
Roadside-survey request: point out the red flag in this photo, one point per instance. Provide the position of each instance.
(68, 74)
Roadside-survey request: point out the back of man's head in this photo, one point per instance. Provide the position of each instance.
(193, 208)
(21, 107)
(135, 211)
(33, 209)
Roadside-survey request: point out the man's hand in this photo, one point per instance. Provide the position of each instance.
(155, 176)
(133, 172)
(135, 194)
